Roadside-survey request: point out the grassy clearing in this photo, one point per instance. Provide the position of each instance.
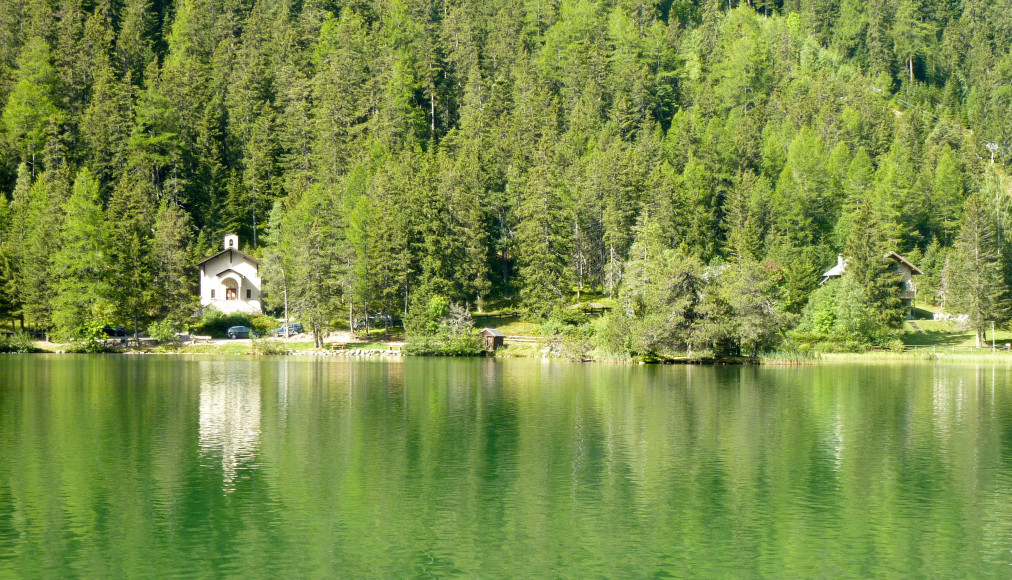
(942, 333)
(509, 325)
(939, 355)
(519, 350)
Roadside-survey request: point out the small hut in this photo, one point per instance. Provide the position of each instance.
(491, 339)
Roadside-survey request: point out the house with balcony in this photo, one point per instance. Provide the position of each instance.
(900, 265)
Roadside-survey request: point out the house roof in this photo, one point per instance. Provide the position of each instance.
(913, 269)
(493, 332)
(841, 266)
(242, 254)
(836, 270)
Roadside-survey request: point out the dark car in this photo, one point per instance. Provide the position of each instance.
(293, 328)
(241, 332)
(114, 331)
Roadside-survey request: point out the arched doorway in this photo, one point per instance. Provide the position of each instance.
(231, 289)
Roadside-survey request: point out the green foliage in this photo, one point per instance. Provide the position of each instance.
(975, 284)
(870, 279)
(376, 156)
(31, 105)
(465, 345)
(216, 323)
(164, 331)
(82, 290)
(839, 317)
(269, 346)
(17, 343)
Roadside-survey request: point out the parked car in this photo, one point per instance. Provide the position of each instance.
(293, 328)
(114, 331)
(241, 332)
(375, 321)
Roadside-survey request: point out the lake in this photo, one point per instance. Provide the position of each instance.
(141, 466)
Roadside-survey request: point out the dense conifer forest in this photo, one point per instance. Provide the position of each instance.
(698, 164)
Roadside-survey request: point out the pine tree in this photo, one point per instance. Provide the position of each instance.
(134, 48)
(975, 284)
(106, 125)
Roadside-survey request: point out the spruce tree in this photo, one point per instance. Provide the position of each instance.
(7, 261)
(975, 284)
(174, 276)
(133, 291)
(542, 244)
(870, 270)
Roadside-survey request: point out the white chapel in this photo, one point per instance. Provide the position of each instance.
(230, 280)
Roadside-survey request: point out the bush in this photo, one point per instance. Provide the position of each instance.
(88, 346)
(18, 343)
(216, 323)
(566, 322)
(819, 342)
(467, 345)
(163, 331)
(269, 346)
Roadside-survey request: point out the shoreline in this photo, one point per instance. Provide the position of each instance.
(388, 352)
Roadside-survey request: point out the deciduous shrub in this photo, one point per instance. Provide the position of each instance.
(216, 323)
(269, 346)
(444, 346)
(17, 343)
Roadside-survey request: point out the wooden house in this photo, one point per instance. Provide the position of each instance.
(900, 265)
(491, 339)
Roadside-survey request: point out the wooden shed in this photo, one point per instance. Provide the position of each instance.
(491, 339)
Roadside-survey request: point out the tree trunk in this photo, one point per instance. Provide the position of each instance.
(284, 288)
(980, 337)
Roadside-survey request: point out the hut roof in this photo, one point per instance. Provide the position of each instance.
(841, 266)
(492, 332)
(837, 270)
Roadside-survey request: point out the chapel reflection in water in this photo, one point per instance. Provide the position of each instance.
(229, 418)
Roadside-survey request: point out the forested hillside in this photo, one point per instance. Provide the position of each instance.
(375, 154)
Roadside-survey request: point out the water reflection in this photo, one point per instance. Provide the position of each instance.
(115, 466)
(229, 417)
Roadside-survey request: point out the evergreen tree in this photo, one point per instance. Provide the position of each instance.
(871, 271)
(31, 106)
(542, 244)
(172, 252)
(132, 267)
(8, 259)
(80, 304)
(975, 284)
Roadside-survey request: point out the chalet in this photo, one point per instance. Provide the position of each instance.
(906, 270)
(230, 280)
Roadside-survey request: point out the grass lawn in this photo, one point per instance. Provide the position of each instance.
(509, 325)
(943, 333)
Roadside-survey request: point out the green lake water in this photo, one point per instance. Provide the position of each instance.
(162, 466)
